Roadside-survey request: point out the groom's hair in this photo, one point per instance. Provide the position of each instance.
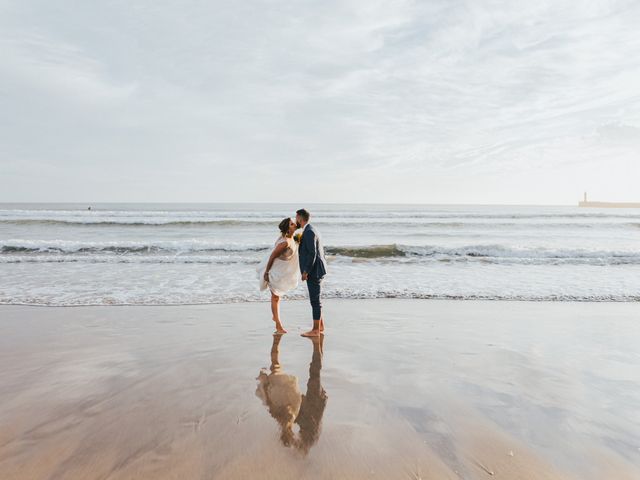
(304, 214)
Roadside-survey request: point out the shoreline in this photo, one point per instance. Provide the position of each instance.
(633, 300)
(398, 388)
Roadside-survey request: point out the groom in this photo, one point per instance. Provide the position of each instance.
(313, 267)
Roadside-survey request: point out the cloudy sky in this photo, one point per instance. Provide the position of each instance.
(438, 101)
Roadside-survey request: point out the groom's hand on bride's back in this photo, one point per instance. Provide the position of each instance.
(305, 275)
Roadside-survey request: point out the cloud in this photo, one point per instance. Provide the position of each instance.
(619, 133)
(233, 98)
(57, 69)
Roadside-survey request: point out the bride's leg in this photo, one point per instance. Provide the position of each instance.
(275, 307)
(275, 311)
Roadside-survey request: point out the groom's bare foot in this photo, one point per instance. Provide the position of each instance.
(322, 325)
(311, 333)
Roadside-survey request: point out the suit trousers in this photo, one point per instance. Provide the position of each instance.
(315, 290)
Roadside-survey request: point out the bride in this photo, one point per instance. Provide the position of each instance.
(280, 272)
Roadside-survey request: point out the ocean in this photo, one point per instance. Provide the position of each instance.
(155, 254)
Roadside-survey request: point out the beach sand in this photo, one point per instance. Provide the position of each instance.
(404, 389)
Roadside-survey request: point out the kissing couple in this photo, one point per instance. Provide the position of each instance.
(295, 257)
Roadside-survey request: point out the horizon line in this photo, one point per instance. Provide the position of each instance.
(289, 203)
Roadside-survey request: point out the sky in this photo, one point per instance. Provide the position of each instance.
(433, 101)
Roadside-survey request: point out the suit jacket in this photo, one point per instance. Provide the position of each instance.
(311, 253)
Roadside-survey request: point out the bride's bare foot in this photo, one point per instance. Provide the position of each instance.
(311, 333)
(279, 328)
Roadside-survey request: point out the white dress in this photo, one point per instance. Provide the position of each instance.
(285, 271)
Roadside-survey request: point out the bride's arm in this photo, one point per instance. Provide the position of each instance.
(279, 250)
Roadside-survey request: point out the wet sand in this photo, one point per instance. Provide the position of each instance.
(403, 389)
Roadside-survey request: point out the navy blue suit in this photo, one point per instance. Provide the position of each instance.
(312, 262)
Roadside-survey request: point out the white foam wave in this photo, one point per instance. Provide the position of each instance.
(204, 251)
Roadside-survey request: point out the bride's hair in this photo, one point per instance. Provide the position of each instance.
(284, 226)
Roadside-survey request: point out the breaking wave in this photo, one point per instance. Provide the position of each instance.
(12, 251)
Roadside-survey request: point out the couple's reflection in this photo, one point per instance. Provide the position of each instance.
(281, 395)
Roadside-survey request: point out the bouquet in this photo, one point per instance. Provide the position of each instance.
(297, 237)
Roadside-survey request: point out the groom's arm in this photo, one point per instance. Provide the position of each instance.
(309, 240)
